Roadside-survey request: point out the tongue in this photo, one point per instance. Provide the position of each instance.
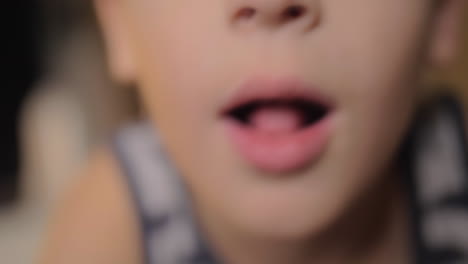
(276, 119)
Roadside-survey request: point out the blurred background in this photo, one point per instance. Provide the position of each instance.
(58, 102)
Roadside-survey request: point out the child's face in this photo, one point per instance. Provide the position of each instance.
(265, 169)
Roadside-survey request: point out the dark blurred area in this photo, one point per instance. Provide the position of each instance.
(58, 103)
(55, 75)
(20, 28)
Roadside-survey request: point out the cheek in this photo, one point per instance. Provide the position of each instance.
(381, 69)
(377, 86)
(174, 80)
(181, 82)
(377, 48)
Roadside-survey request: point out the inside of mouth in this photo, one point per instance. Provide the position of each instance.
(290, 114)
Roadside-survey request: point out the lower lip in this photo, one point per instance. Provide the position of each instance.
(280, 153)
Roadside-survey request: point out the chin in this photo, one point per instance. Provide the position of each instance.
(288, 211)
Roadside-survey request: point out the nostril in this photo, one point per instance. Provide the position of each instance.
(293, 12)
(274, 14)
(245, 13)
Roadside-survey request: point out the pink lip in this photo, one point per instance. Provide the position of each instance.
(267, 88)
(284, 152)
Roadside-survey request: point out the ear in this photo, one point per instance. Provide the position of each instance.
(447, 32)
(117, 38)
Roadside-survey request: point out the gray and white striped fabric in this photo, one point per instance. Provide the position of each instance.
(438, 168)
(169, 230)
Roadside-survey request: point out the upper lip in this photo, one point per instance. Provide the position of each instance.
(261, 90)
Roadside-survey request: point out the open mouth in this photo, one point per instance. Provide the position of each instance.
(278, 125)
(278, 114)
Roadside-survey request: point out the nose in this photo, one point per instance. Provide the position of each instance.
(274, 14)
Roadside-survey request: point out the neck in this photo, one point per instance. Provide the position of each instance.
(374, 230)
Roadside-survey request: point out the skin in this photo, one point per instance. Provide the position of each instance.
(188, 57)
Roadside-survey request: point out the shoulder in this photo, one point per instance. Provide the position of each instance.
(96, 222)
